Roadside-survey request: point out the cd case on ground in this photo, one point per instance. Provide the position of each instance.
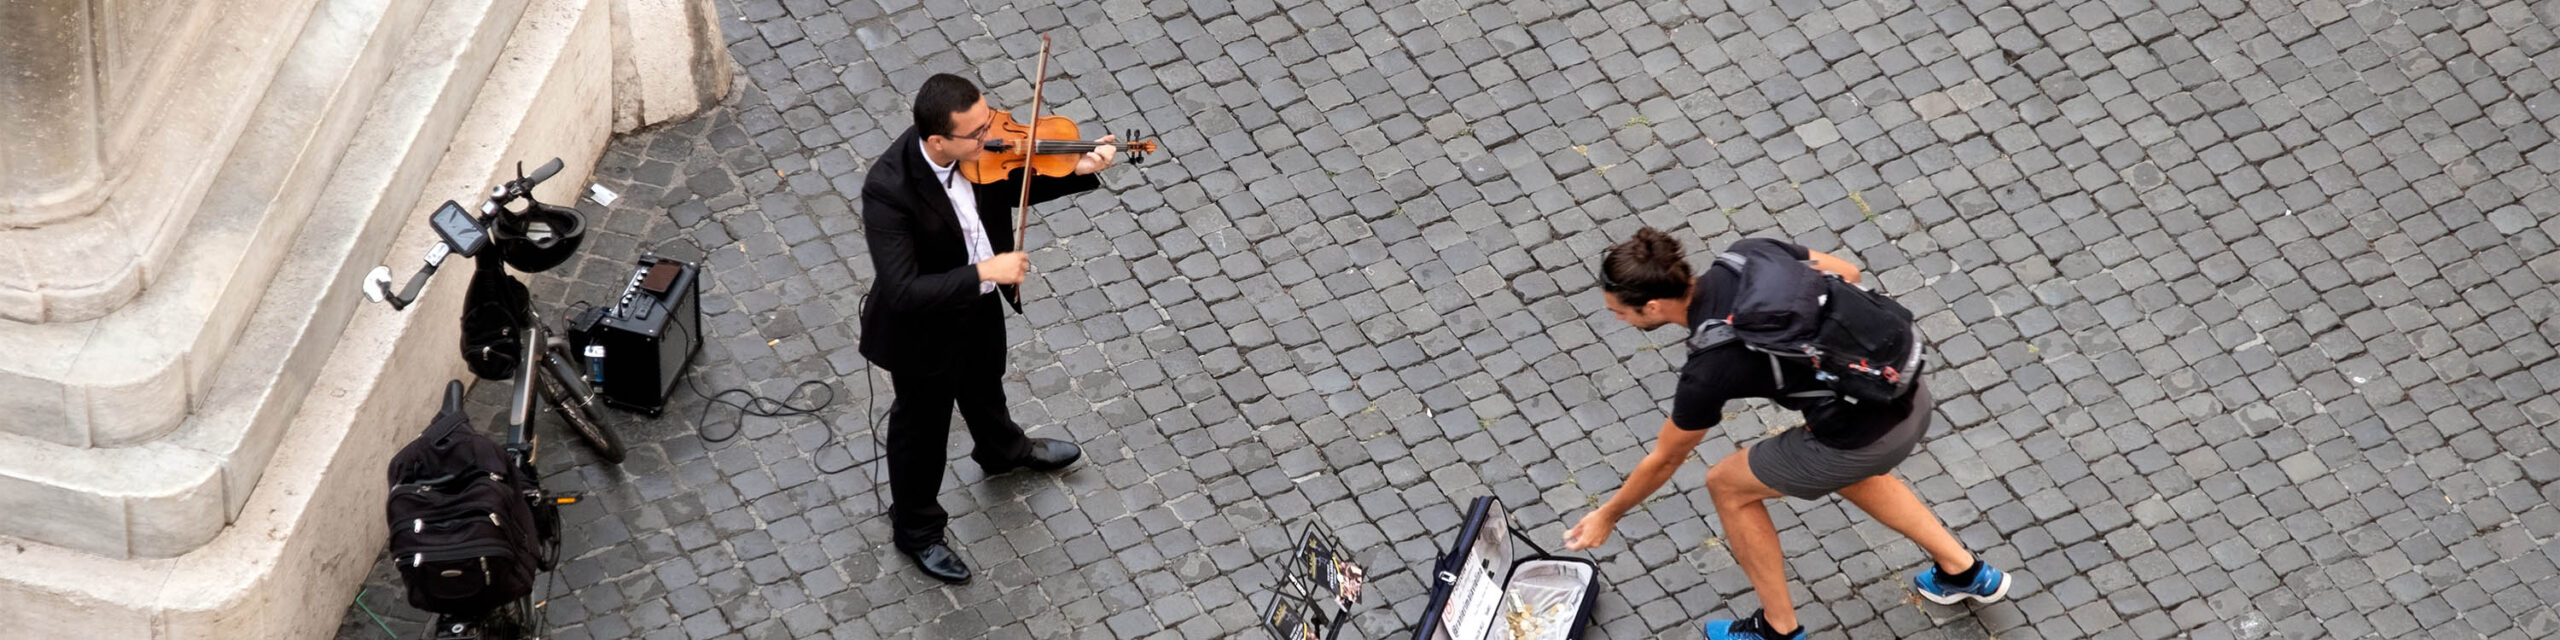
(1481, 590)
(1318, 586)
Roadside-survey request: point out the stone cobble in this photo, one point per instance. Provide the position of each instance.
(2243, 312)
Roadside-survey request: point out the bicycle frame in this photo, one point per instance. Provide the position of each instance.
(520, 405)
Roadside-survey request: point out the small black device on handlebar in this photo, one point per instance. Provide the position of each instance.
(460, 231)
(462, 234)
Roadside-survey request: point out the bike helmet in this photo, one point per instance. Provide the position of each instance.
(541, 237)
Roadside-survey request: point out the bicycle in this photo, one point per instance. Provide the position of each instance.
(503, 229)
(552, 374)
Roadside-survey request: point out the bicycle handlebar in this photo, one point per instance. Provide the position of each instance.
(377, 285)
(507, 193)
(545, 172)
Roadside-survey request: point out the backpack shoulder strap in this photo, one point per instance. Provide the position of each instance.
(1779, 375)
(447, 426)
(1734, 260)
(1711, 334)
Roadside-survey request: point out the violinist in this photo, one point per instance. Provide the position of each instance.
(943, 252)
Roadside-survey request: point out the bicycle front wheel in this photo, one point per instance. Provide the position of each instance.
(575, 402)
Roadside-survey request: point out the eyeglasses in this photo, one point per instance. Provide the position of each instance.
(975, 136)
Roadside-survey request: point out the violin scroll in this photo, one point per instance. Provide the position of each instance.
(1138, 149)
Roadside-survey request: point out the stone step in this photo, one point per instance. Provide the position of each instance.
(301, 199)
(164, 149)
(49, 389)
(310, 527)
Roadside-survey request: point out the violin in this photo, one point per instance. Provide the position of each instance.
(1054, 148)
(1048, 147)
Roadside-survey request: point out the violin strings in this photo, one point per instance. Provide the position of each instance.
(1062, 146)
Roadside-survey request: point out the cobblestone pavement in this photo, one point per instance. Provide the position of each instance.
(2244, 311)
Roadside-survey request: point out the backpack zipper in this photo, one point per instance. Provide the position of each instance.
(419, 525)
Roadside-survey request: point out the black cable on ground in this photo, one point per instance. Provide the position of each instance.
(755, 406)
(751, 405)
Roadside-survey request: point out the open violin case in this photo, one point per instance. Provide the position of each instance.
(1483, 590)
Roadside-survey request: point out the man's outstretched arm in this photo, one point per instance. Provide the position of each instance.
(1670, 450)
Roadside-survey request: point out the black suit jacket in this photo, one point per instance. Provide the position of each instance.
(912, 320)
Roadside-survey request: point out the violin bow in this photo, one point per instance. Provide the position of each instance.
(1030, 146)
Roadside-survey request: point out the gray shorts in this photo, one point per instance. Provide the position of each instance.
(1797, 465)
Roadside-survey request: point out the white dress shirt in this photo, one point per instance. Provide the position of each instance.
(964, 203)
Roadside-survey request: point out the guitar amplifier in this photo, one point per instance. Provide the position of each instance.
(649, 335)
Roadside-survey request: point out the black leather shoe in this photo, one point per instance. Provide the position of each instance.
(938, 561)
(1044, 454)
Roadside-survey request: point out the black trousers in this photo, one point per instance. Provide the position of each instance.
(920, 424)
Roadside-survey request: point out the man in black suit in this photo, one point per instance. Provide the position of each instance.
(942, 250)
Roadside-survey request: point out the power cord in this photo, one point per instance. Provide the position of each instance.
(870, 394)
(752, 405)
(756, 406)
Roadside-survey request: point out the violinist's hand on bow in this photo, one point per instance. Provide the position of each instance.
(1099, 158)
(1005, 268)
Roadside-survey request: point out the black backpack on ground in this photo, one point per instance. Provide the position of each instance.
(1862, 345)
(462, 535)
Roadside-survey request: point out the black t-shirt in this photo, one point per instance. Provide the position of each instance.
(1732, 371)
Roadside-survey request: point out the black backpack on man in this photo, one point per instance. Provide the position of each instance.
(1863, 346)
(462, 534)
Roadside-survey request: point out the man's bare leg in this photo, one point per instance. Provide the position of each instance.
(1739, 499)
(1891, 502)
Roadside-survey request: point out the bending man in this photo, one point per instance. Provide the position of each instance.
(1844, 448)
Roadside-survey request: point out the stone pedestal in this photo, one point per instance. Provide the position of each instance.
(49, 163)
(669, 65)
(197, 404)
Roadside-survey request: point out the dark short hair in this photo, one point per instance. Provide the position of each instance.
(1647, 267)
(942, 95)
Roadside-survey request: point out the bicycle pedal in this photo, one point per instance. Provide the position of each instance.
(567, 498)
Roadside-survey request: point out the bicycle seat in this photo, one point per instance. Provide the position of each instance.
(452, 397)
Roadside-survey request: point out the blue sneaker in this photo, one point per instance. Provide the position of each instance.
(1751, 628)
(1989, 585)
